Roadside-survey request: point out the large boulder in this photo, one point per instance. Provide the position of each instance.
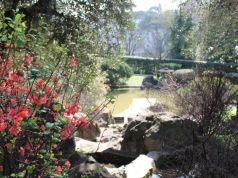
(94, 170)
(158, 133)
(104, 118)
(90, 133)
(141, 167)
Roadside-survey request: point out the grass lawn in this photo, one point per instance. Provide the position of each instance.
(135, 80)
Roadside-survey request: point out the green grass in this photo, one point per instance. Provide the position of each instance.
(135, 80)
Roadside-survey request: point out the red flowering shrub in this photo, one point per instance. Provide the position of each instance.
(33, 122)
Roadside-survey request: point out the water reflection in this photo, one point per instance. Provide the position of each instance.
(124, 98)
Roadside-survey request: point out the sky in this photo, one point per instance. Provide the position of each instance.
(144, 5)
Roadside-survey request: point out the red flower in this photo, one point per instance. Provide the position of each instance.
(72, 62)
(80, 120)
(19, 117)
(58, 170)
(97, 110)
(72, 109)
(14, 130)
(65, 133)
(15, 77)
(56, 162)
(26, 161)
(47, 90)
(8, 146)
(85, 125)
(77, 95)
(22, 114)
(54, 78)
(13, 102)
(39, 84)
(22, 151)
(1, 168)
(39, 100)
(3, 126)
(28, 60)
(57, 85)
(28, 146)
(67, 164)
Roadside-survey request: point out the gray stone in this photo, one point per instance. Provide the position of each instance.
(104, 118)
(89, 133)
(141, 167)
(158, 133)
(94, 170)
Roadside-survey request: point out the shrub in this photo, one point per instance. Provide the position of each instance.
(184, 75)
(117, 74)
(35, 117)
(206, 99)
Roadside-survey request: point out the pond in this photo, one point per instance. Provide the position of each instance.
(124, 98)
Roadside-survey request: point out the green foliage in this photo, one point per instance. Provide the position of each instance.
(116, 74)
(206, 30)
(70, 18)
(142, 66)
(219, 30)
(181, 36)
(184, 75)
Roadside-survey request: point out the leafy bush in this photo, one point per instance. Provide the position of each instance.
(115, 75)
(184, 75)
(35, 115)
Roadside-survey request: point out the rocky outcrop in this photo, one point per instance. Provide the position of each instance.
(157, 133)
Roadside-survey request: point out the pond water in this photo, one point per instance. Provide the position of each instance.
(124, 98)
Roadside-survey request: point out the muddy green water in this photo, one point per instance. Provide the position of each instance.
(124, 98)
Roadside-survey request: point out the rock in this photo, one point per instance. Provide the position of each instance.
(173, 159)
(104, 118)
(79, 158)
(149, 82)
(94, 170)
(85, 165)
(89, 133)
(118, 119)
(157, 108)
(117, 172)
(141, 167)
(86, 146)
(158, 133)
(115, 157)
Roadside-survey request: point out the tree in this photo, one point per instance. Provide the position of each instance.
(179, 36)
(215, 25)
(86, 30)
(71, 17)
(151, 31)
